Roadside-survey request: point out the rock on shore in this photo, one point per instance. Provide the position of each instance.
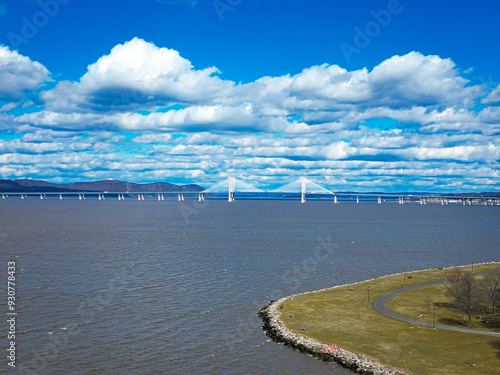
(361, 364)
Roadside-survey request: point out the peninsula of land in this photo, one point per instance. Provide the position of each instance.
(342, 324)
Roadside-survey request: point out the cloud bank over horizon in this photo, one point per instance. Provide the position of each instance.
(144, 113)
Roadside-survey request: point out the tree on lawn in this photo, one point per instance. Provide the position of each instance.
(465, 293)
(491, 287)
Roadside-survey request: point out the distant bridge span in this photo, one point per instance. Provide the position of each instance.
(232, 186)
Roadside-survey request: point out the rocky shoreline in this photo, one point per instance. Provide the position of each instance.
(358, 363)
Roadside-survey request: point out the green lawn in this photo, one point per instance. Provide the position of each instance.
(346, 318)
(423, 301)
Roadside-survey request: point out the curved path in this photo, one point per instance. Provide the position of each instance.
(380, 305)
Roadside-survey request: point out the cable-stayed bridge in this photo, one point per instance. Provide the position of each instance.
(232, 186)
(301, 187)
(304, 186)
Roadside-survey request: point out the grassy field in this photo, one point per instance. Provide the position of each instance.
(419, 304)
(345, 318)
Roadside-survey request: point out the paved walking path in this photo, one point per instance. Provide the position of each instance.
(380, 305)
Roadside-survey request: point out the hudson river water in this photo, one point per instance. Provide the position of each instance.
(110, 287)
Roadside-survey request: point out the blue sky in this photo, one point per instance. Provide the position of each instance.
(355, 95)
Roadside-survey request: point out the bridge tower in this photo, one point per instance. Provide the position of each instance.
(231, 188)
(303, 193)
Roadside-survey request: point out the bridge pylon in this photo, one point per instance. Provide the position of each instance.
(231, 188)
(303, 191)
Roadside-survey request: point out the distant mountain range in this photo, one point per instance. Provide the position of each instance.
(115, 186)
(112, 186)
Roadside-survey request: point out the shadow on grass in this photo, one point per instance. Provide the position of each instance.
(453, 322)
(496, 345)
(444, 305)
(493, 325)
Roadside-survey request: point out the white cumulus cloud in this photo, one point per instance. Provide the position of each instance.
(493, 97)
(144, 113)
(137, 74)
(18, 75)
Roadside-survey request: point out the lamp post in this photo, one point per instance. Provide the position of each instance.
(368, 290)
(433, 318)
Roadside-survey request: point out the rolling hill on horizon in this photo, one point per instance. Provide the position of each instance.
(112, 186)
(115, 186)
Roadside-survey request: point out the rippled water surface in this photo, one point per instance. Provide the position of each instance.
(109, 287)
